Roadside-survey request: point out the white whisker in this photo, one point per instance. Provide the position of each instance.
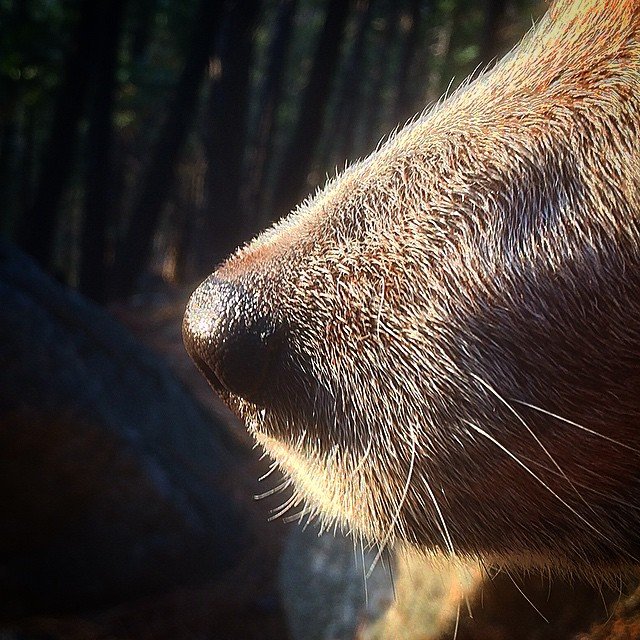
(533, 435)
(272, 468)
(443, 525)
(455, 629)
(363, 458)
(295, 517)
(586, 487)
(548, 488)
(577, 425)
(277, 489)
(364, 574)
(403, 497)
(524, 595)
(281, 510)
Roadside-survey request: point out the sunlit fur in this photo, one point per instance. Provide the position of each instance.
(463, 308)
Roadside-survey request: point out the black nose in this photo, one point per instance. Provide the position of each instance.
(234, 342)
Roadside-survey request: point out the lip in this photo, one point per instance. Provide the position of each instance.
(209, 374)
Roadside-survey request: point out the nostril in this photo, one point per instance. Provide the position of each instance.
(233, 343)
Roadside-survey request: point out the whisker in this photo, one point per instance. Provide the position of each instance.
(577, 425)
(277, 489)
(388, 565)
(280, 511)
(548, 488)
(444, 530)
(524, 595)
(272, 468)
(364, 574)
(487, 386)
(586, 487)
(294, 517)
(310, 513)
(403, 497)
(608, 613)
(363, 458)
(491, 572)
(455, 629)
(466, 601)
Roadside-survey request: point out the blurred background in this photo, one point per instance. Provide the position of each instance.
(140, 142)
(151, 137)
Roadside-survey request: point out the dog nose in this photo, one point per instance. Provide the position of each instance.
(234, 342)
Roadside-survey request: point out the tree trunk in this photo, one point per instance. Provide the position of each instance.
(98, 204)
(224, 135)
(292, 180)
(181, 264)
(12, 149)
(142, 28)
(271, 94)
(133, 253)
(28, 160)
(404, 106)
(491, 42)
(443, 73)
(57, 162)
(349, 94)
(373, 106)
(16, 128)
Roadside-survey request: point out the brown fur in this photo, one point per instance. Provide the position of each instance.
(461, 313)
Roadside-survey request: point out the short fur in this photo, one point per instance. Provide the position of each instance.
(463, 312)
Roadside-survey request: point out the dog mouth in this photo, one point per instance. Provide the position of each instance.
(210, 375)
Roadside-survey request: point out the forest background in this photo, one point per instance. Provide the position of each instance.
(151, 137)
